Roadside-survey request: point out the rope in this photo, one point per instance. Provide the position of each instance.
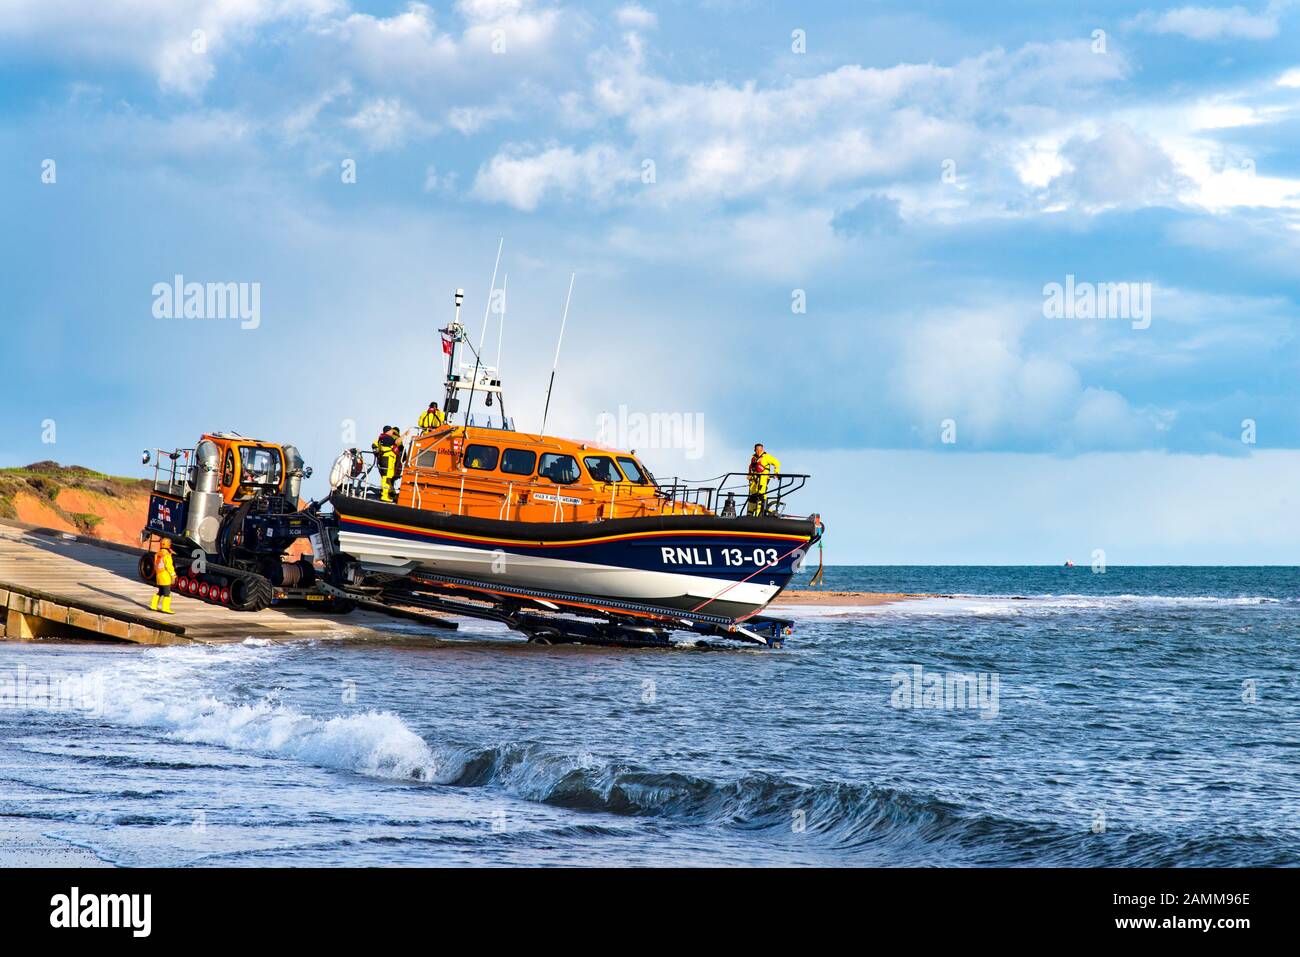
(747, 578)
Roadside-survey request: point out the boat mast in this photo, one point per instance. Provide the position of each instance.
(487, 309)
(501, 331)
(454, 333)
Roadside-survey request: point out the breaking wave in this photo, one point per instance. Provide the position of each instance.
(170, 690)
(880, 823)
(163, 691)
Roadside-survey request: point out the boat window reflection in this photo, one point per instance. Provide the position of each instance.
(632, 471)
(560, 469)
(482, 457)
(601, 468)
(518, 461)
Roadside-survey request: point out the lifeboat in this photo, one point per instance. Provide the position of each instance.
(512, 517)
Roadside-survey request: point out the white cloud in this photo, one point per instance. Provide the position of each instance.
(508, 56)
(405, 44)
(521, 178)
(180, 41)
(852, 125)
(636, 17)
(1211, 23)
(1118, 167)
(402, 54)
(1216, 182)
(470, 119)
(505, 27)
(975, 368)
(387, 123)
(298, 124)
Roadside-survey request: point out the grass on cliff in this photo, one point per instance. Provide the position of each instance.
(47, 479)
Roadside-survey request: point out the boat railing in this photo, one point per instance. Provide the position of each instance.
(359, 484)
(734, 494)
(488, 421)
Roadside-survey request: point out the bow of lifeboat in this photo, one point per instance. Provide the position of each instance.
(513, 515)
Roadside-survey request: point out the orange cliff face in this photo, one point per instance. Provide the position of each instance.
(77, 500)
(73, 499)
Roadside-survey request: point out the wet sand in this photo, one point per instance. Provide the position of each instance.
(23, 845)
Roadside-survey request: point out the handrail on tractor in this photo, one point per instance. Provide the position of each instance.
(165, 477)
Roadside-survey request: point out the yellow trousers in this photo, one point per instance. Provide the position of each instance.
(757, 503)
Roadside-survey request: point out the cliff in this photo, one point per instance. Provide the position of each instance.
(78, 500)
(75, 499)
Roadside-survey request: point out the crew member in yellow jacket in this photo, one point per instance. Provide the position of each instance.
(388, 454)
(164, 573)
(432, 419)
(762, 466)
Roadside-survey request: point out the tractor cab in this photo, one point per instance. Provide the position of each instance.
(248, 468)
(194, 489)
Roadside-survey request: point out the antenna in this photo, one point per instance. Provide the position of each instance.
(558, 343)
(501, 332)
(492, 288)
(501, 324)
(487, 308)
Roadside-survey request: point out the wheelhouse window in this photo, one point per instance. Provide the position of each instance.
(632, 470)
(259, 468)
(426, 459)
(560, 469)
(482, 457)
(601, 468)
(518, 461)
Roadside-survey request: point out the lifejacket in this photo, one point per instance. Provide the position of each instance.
(164, 571)
(761, 468)
(432, 419)
(386, 456)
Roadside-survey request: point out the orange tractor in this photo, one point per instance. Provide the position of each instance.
(230, 506)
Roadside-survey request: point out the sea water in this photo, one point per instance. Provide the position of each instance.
(1035, 716)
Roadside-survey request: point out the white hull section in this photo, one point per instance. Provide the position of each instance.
(400, 556)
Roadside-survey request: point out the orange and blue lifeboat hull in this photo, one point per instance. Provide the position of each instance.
(730, 567)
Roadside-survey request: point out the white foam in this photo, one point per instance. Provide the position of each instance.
(170, 689)
(1003, 605)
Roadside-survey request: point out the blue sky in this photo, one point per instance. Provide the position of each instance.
(916, 173)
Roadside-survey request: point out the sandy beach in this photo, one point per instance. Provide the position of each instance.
(23, 845)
